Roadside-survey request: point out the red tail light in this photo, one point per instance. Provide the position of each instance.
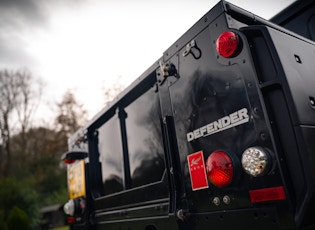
(220, 169)
(69, 161)
(71, 156)
(70, 220)
(228, 44)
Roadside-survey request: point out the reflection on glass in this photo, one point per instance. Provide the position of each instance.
(111, 156)
(145, 148)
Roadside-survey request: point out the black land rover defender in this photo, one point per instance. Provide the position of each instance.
(219, 133)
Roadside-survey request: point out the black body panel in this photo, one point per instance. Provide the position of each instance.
(299, 18)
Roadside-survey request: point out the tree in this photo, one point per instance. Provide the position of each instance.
(19, 97)
(71, 115)
(8, 94)
(111, 90)
(31, 175)
(44, 149)
(28, 99)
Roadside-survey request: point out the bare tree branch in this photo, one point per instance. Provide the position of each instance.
(111, 90)
(19, 99)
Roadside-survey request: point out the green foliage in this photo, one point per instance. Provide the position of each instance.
(18, 219)
(18, 200)
(47, 176)
(59, 196)
(61, 228)
(3, 224)
(21, 199)
(49, 180)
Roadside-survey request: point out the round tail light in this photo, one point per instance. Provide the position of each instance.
(220, 169)
(69, 208)
(256, 161)
(74, 207)
(228, 44)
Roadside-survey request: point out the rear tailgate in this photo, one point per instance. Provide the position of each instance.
(232, 105)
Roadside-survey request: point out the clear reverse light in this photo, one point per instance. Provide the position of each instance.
(256, 161)
(69, 208)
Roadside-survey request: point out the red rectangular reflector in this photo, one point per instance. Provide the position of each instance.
(267, 194)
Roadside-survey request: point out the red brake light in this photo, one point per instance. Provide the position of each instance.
(220, 169)
(228, 44)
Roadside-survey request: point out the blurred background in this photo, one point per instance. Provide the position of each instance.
(60, 63)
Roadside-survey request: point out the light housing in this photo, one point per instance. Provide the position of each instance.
(74, 207)
(228, 44)
(220, 169)
(256, 161)
(69, 208)
(71, 156)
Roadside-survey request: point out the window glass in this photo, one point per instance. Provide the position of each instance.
(146, 154)
(111, 157)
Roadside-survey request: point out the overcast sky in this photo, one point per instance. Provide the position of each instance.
(79, 44)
